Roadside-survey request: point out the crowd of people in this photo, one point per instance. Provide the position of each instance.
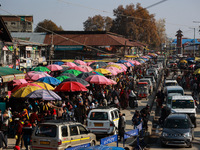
(22, 115)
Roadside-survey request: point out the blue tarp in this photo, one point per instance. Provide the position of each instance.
(101, 147)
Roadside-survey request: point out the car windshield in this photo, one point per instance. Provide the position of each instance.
(175, 91)
(182, 104)
(170, 84)
(177, 123)
(44, 130)
(99, 116)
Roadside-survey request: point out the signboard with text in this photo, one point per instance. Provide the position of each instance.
(110, 139)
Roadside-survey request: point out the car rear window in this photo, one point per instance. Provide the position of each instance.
(99, 116)
(44, 130)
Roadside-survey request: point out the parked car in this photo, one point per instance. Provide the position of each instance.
(60, 135)
(152, 80)
(150, 84)
(178, 130)
(152, 71)
(169, 82)
(103, 120)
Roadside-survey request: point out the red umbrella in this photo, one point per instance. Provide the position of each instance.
(70, 87)
(54, 67)
(98, 79)
(24, 85)
(78, 68)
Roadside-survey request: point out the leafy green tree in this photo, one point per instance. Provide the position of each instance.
(48, 25)
(97, 23)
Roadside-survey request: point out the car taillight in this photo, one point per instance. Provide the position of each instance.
(59, 142)
(111, 124)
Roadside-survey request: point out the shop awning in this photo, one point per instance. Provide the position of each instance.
(8, 74)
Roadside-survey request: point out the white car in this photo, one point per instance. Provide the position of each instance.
(103, 120)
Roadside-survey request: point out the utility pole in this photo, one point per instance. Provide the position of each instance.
(194, 42)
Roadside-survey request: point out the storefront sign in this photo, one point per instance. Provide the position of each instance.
(68, 47)
(29, 48)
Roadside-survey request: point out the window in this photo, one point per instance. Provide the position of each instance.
(73, 130)
(82, 130)
(116, 114)
(13, 23)
(99, 116)
(112, 114)
(46, 131)
(64, 131)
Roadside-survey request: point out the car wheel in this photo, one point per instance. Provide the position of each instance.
(92, 143)
(163, 145)
(190, 145)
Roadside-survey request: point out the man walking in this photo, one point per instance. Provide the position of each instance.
(2, 140)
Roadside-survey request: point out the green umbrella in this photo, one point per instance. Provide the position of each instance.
(96, 72)
(72, 71)
(61, 78)
(41, 68)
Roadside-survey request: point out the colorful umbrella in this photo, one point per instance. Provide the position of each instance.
(69, 75)
(24, 91)
(113, 82)
(96, 65)
(78, 68)
(114, 69)
(80, 62)
(114, 65)
(197, 71)
(59, 63)
(44, 85)
(54, 67)
(61, 78)
(50, 80)
(86, 68)
(44, 94)
(70, 87)
(97, 73)
(72, 71)
(35, 75)
(122, 61)
(103, 71)
(19, 82)
(70, 64)
(114, 73)
(183, 61)
(25, 85)
(85, 83)
(41, 68)
(98, 79)
(136, 62)
(85, 75)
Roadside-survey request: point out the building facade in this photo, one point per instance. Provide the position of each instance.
(18, 23)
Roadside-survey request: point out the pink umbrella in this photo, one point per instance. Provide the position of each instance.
(136, 62)
(54, 67)
(80, 62)
(123, 66)
(89, 63)
(113, 82)
(114, 68)
(145, 57)
(133, 62)
(98, 79)
(35, 75)
(19, 81)
(114, 73)
(128, 64)
(78, 68)
(70, 64)
(86, 68)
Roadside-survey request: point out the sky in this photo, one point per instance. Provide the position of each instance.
(70, 14)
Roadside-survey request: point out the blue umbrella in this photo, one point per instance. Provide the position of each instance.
(50, 80)
(44, 94)
(122, 61)
(131, 64)
(191, 58)
(58, 63)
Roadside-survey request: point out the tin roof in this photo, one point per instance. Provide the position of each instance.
(30, 36)
(88, 38)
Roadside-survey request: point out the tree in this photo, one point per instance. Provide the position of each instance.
(135, 22)
(160, 24)
(48, 25)
(97, 23)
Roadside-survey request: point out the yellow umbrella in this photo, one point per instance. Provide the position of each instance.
(44, 85)
(197, 71)
(183, 61)
(24, 91)
(113, 65)
(103, 71)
